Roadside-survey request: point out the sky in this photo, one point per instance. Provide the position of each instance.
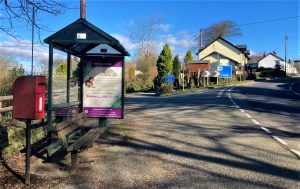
(264, 25)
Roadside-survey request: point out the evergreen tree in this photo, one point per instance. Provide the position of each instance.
(176, 66)
(188, 56)
(164, 62)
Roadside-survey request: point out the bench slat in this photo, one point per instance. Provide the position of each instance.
(79, 144)
(80, 116)
(63, 125)
(86, 140)
(67, 130)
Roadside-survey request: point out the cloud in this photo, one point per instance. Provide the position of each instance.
(163, 27)
(179, 43)
(21, 52)
(252, 52)
(126, 42)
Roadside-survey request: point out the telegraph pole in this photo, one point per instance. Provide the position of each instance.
(83, 9)
(201, 35)
(285, 53)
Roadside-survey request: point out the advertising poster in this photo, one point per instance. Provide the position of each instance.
(102, 90)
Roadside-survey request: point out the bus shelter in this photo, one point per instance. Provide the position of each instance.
(100, 70)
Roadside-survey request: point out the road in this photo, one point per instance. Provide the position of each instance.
(218, 138)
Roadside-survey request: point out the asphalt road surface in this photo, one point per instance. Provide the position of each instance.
(234, 137)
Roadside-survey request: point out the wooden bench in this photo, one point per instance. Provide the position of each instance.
(3, 140)
(71, 136)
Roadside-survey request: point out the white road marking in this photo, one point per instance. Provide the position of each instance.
(296, 152)
(256, 122)
(220, 93)
(280, 140)
(249, 116)
(290, 88)
(265, 129)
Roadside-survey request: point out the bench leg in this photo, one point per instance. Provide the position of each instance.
(1, 156)
(74, 159)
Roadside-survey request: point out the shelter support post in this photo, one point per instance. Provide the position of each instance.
(68, 83)
(49, 104)
(102, 121)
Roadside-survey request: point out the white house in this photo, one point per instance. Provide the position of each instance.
(271, 60)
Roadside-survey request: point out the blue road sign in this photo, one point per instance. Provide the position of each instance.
(169, 78)
(225, 71)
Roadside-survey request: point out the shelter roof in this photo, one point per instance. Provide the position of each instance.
(81, 36)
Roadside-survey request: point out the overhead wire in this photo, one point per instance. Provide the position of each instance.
(186, 33)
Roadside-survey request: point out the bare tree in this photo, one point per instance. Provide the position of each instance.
(224, 29)
(22, 11)
(143, 33)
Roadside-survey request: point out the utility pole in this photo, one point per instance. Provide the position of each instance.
(201, 33)
(285, 53)
(83, 9)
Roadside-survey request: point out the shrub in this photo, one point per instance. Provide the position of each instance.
(166, 88)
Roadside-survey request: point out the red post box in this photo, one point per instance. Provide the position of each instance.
(29, 97)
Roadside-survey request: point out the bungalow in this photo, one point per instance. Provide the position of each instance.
(271, 60)
(222, 52)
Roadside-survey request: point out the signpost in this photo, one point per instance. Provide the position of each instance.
(217, 74)
(206, 75)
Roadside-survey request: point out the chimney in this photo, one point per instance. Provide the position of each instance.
(274, 52)
(264, 55)
(83, 9)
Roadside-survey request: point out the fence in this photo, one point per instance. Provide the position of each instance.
(3, 99)
(59, 97)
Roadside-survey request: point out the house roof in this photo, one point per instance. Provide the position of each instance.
(222, 40)
(81, 36)
(272, 54)
(198, 62)
(254, 59)
(241, 48)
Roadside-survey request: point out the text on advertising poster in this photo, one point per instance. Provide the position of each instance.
(102, 90)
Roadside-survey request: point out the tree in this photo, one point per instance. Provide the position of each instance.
(224, 29)
(131, 73)
(164, 62)
(16, 72)
(61, 68)
(176, 66)
(142, 33)
(10, 71)
(188, 56)
(21, 11)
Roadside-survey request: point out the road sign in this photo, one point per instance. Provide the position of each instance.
(169, 78)
(205, 73)
(225, 71)
(216, 73)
